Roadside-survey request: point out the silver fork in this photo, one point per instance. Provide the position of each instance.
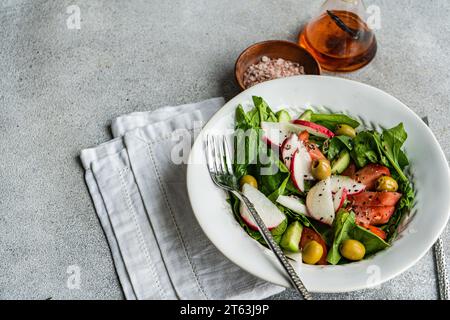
(439, 254)
(221, 171)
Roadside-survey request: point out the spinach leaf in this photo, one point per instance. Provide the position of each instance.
(344, 228)
(246, 150)
(248, 146)
(291, 189)
(395, 138)
(240, 170)
(379, 148)
(294, 216)
(346, 141)
(332, 120)
(321, 229)
(365, 149)
(370, 146)
(272, 183)
(264, 111)
(251, 153)
(255, 119)
(252, 119)
(335, 145)
(371, 242)
(324, 231)
(275, 176)
(246, 140)
(404, 206)
(280, 190)
(277, 232)
(320, 142)
(390, 144)
(242, 120)
(281, 166)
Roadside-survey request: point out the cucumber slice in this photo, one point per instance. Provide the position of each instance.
(306, 115)
(291, 238)
(283, 116)
(341, 162)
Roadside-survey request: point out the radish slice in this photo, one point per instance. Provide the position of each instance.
(289, 146)
(344, 182)
(339, 199)
(293, 203)
(301, 167)
(276, 132)
(314, 129)
(319, 202)
(269, 213)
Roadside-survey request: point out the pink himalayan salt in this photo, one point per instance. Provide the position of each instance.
(269, 69)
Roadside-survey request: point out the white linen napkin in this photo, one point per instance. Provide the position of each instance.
(139, 193)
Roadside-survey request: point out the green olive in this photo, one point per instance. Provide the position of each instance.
(386, 183)
(250, 180)
(345, 130)
(312, 252)
(321, 169)
(353, 250)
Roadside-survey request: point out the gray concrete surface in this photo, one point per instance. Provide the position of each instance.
(59, 88)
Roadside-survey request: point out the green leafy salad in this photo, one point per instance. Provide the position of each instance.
(329, 191)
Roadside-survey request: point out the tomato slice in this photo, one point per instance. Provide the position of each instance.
(314, 151)
(375, 199)
(303, 136)
(369, 175)
(377, 231)
(312, 148)
(350, 171)
(308, 235)
(366, 216)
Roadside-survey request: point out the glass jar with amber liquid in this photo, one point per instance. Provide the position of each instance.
(339, 37)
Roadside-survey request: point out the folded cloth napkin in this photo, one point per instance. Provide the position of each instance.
(141, 200)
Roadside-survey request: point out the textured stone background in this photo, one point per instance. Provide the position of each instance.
(59, 88)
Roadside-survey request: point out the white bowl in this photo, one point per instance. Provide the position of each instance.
(429, 171)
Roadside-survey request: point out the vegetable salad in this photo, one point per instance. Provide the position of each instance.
(329, 191)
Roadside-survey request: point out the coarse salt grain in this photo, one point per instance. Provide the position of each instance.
(269, 69)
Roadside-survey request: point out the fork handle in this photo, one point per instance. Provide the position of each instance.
(439, 255)
(295, 279)
(441, 269)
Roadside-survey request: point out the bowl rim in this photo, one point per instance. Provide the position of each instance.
(292, 44)
(431, 238)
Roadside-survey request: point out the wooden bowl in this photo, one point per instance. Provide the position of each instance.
(274, 49)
